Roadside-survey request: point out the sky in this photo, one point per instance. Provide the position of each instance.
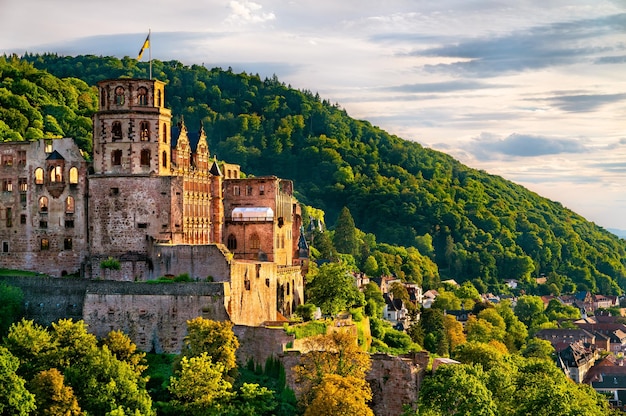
(531, 90)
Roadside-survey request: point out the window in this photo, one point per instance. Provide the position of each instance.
(43, 224)
(67, 243)
(116, 157)
(7, 185)
(23, 184)
(69, 205)
(115, 191)
(69, 223)
(23, 219)
(39, 176)
(145, 157)
(164, 133)
(5, 246)
(144, 133)
(261, 189)
(48, 146)
(236, 190)
(43, 204)
(23, 198)
(56, 174)
(142, 225)
(248, 190)
(119, 96)
(116, 130)
(45, 244)
(7, 160)
(142, 96)
(231, 243)
(164, 159)
(103, 97)
(9, 217)
(21, 157)
(158, 98)
(73, 175)
(255, 242)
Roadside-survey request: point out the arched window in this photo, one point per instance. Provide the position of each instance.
(164, 159)
(39, 176)
(56, 174)
(119, 96)
(164, 133)
(116, 157)
(143, 130)
(142, 96)
(158, 98)
(45, 244)
(73, 175)
(43, 204)
(103, 98)
(69, 205)
(255, 242)
(231, 243)
(145, 157)
(116, 130)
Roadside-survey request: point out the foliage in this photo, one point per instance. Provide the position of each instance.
(336, 353)
(14, 398)
(333, 289)
(340, 395)
(306, 311)
(538, 348)
(530, 311)
(308, 329)
(110, 264)
(214, 338)
(11, 301)
(52, 396)
(344, 238)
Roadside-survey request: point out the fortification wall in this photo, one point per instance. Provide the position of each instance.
(199, 261)
(260, 343)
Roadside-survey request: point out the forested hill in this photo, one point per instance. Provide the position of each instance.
(482, 227)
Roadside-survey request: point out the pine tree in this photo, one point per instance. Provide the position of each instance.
(345, 233)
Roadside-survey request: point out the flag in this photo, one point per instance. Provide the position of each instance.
(145, 45)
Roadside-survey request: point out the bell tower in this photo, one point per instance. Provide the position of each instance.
(131, 133)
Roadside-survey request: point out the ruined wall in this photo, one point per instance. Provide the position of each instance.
(199, 261)
(253, 289)
(153, 315)
(260, 343)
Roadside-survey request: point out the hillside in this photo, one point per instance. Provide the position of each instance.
(483, 228)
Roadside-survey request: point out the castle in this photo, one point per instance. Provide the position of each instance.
(154, 206)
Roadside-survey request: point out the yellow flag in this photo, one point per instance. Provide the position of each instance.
(145, 45)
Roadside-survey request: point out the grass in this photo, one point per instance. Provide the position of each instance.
(18, 273)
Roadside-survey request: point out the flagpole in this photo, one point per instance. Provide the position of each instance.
(150, 51)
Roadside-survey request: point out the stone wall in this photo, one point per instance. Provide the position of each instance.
(199, 261)
(260, 343)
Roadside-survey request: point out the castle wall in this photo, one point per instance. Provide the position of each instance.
(153, 315)
(260, 343)
(253, 293)
(199, 261)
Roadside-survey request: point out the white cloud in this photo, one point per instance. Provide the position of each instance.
(244, 12)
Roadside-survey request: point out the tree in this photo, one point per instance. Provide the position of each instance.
(340, 395)
(52, 396)
(14, 398)
(472, 352)
(11, 301)
(557, 311)
(215, 338)
(336, 353)
(375, 301)
(333, 289)
(538, 348)
(125, 350)
(344, 238)
(200, 384)
(457, 389)
(454, 331)
(447, 301)
(516, 331)
(529, 309)
(32, 344)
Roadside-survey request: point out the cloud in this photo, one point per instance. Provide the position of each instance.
(580, 103)
(440, 87)
(243, 12)
(488, 146)
(562, 43)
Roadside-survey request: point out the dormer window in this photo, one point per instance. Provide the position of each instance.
(119, 96)
(142, 96)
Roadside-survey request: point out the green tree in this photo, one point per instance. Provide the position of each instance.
(344, 238)
(32, 344)
(333, 289)
(538, 348)
(457, 389)
(215, 338)
(375, 303)
(529, 309)
(199, 387)
(14, 398)
(122, 347)
(11, 301)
